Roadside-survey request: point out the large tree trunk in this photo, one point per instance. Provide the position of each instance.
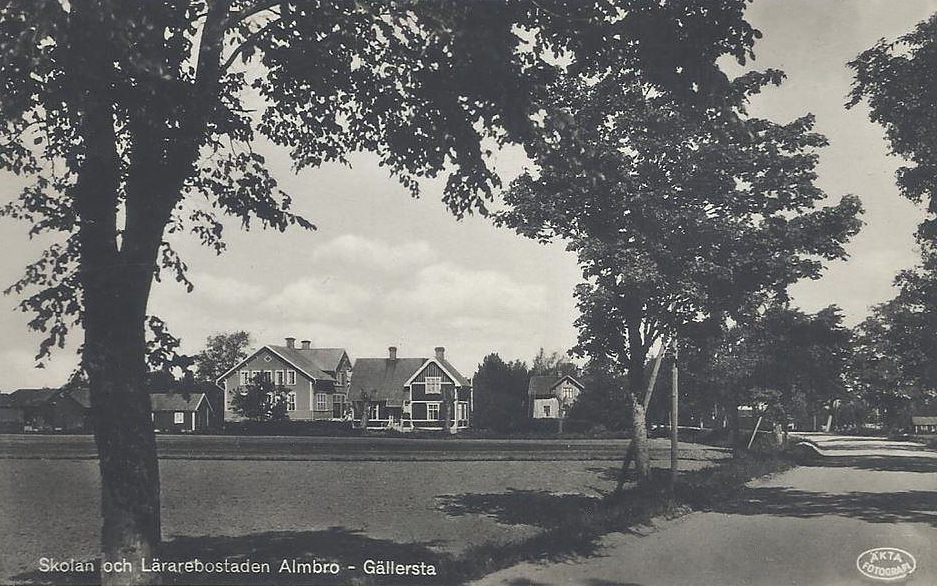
(123, 432)
(642, 457)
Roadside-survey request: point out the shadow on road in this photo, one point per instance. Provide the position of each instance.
(914, 506)
(521, 507)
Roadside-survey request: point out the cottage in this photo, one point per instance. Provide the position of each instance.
(409, 393)
(180, 413)
(552, 396)
(46, 410)
(315, 379)
(923, 424)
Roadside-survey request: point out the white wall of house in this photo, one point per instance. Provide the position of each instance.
(546, 408)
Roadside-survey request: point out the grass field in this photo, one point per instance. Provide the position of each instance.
(344, 509)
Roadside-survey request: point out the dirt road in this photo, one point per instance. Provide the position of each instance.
(805, 527)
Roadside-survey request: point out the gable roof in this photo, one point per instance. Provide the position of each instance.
(7, 401)
(459, 379)
(383, 378)
(542, 386)
(176, 402)
(296, 358)
(33, 397)
(324, 360)
(81, 395)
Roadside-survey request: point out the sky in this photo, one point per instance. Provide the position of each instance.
(385, 269)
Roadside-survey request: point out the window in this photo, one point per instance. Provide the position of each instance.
(432, 411)
(268, 376)
(291, 401)
(321, 402)
(290, 377)
(434, 384)
(569, 394)
(374, 410)
(178, 417)
(546, 410)
(462, 411)
(245, 377)
(255, 376)
(279, 378)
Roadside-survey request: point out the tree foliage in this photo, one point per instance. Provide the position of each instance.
(222, 352)
(895, 78)
(500, 390)
(554, 364)
(894, 363)
(677, 213)
(260, 401)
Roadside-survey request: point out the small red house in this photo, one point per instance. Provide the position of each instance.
(177, 413)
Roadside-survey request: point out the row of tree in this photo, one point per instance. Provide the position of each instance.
(685, 212)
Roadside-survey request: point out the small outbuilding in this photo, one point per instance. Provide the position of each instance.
(48, 410)
(922, 424)
(181, 413)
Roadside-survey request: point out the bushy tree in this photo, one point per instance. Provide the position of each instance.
(500, 389)
(222, 351)
(896, 79)
(261, 400)
(894, 364)
(677, 211)
(601, 400)
(553, 364)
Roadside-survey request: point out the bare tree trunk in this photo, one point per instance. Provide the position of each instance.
(642, 457)
(631, 452)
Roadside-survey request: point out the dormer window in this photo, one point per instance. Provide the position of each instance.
(434, 385)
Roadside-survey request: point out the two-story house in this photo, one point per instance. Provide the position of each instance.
(315, 379)
(552, 396)
(409, 392)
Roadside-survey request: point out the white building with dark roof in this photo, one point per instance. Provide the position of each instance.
(551, 396)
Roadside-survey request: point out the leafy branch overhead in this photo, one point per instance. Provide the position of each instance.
(678, 211)
(136, 120)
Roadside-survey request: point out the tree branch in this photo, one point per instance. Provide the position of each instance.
(254, 37)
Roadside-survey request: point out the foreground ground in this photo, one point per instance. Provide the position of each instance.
(805, 527)
(347, 498)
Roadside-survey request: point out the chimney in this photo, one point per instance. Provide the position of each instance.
(291, 342)
(392, 352)
(306, 344)
(440, 353)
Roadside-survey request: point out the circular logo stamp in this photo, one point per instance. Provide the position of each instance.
(888, 564)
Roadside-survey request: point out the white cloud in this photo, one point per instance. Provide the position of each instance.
(317, 298)
(447, 289)
(361, 252)
(227, 290)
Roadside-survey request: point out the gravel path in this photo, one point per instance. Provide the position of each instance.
(805, 527)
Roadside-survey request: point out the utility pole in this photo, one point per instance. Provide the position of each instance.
(674, 404)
